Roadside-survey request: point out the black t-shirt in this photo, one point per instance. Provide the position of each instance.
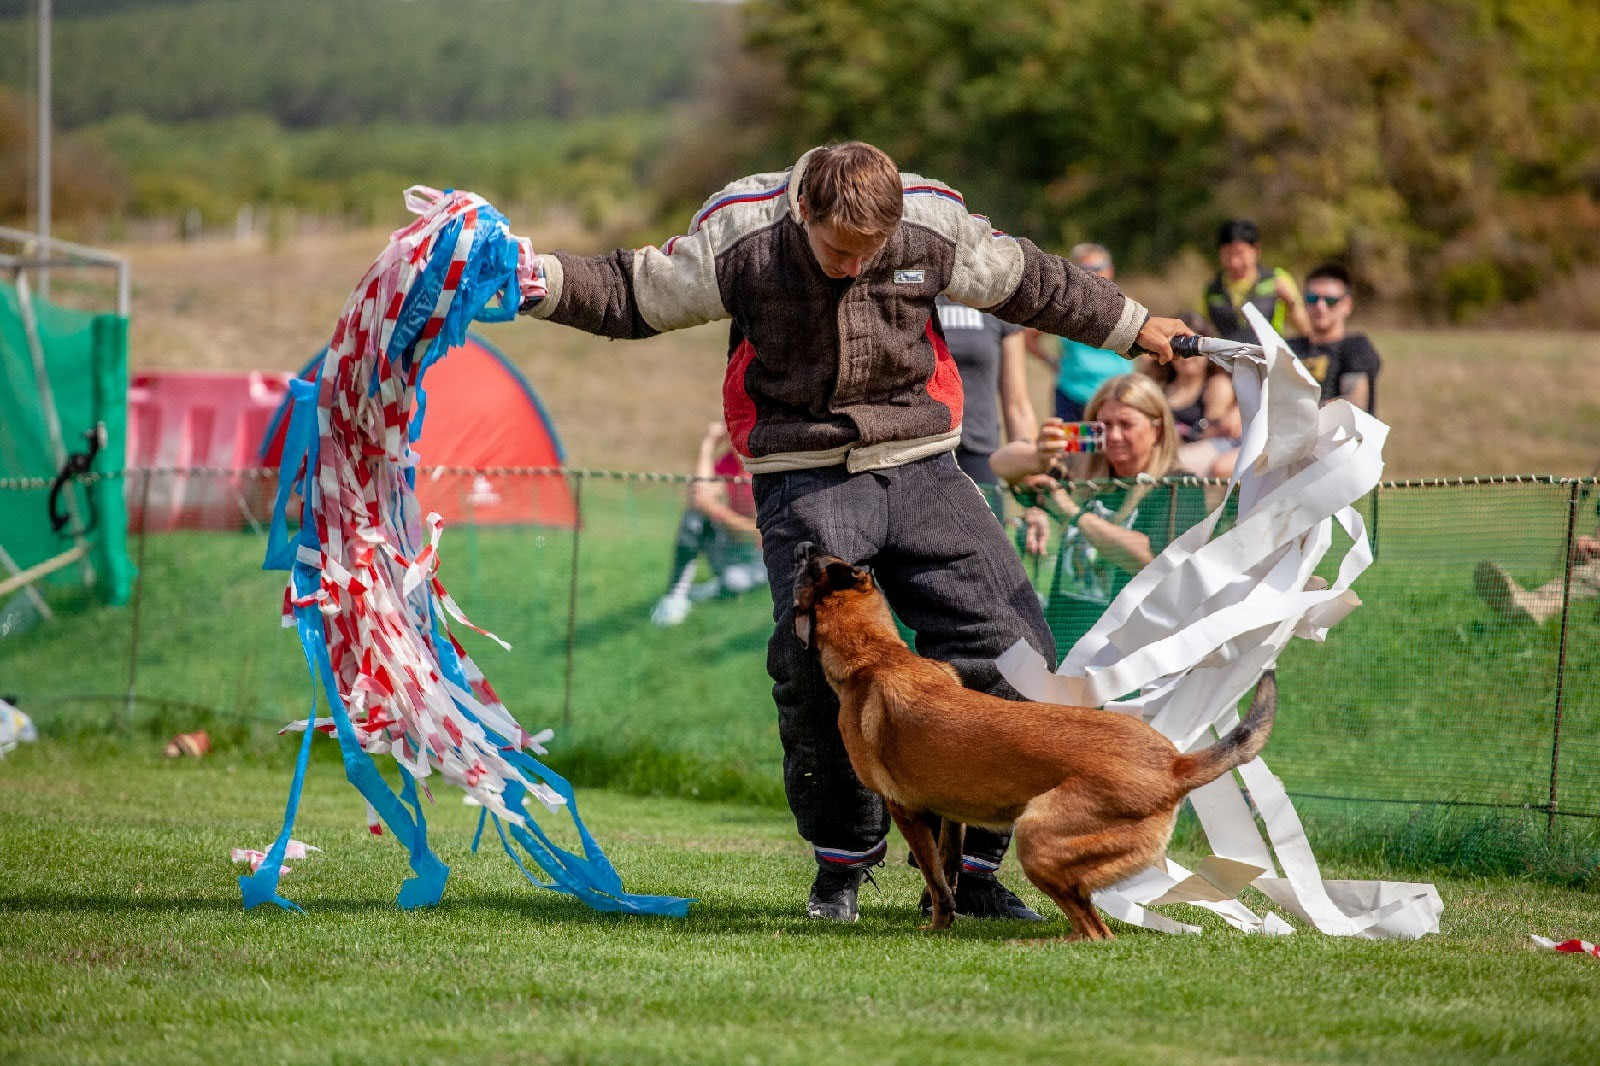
(1329, 363)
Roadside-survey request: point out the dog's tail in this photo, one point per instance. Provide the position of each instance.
(1238, 747)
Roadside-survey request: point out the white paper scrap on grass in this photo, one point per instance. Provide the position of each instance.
(1215, 881)
(1192, 632)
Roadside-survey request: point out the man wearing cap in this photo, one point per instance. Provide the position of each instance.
(1243, 280)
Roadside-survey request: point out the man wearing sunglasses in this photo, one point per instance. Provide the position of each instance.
(1345, 363)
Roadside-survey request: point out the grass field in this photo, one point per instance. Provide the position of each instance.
(1422, 704)
(124, 940)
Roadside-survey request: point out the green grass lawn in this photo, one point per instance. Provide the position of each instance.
(123, 939)
(1439, 718)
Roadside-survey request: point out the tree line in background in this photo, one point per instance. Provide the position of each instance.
(1447, 150)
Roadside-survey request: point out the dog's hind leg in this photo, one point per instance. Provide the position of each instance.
(1068, 867)
(952, 835)
(1055, 879)
(926, 852)
(1069, 855)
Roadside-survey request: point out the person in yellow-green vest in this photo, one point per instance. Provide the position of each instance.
(1243, 280)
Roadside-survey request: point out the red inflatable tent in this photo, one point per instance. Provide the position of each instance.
(481, 414)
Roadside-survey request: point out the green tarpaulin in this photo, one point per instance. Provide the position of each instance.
(85, 357)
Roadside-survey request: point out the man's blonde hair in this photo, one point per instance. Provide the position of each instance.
(1145, 396)
(854, 187)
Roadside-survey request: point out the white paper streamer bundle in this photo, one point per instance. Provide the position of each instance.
(1193, 631)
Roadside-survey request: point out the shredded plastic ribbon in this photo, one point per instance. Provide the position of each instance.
(1577, 947)
(363, 593)
(1193, 630)
(296, 850)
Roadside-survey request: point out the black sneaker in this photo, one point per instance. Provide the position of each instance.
(982, 896)
(833, 894)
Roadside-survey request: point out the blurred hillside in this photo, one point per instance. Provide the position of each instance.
(306, 63)
(186, 110)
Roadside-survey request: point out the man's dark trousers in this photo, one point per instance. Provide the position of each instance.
(950, 574)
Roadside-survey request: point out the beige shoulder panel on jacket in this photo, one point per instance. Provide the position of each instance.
(676, 285)
(988, 265)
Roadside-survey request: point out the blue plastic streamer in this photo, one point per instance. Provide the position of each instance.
(486, 291)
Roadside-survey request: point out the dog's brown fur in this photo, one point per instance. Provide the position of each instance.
(1093, 794)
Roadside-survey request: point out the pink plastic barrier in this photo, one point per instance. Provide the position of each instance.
(185, 418)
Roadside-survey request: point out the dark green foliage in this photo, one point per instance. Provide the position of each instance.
(1445, 148)
(1049, 116)
(357, 172)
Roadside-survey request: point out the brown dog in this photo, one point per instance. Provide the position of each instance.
(1093, 794)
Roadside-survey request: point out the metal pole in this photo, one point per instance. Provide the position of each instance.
(53, 252)
(138, 606)
(27, 590)
(43, 146)
(572, 602)
(25, 578)
(1372, 534)
(1561, 654)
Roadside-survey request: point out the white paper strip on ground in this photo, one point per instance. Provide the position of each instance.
(1192, 631)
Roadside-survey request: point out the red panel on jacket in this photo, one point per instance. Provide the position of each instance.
(738, 409)
(945, 384)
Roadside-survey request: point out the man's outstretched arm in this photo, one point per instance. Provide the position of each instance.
(1016, 281)
(632, 293)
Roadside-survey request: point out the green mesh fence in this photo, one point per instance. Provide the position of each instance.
(1430, 728)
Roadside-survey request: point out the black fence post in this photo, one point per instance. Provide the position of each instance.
(125, 716)
(1561, 650)
(572, 601)
(1372, 533)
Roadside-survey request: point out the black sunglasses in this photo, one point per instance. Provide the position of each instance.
(1314, 298)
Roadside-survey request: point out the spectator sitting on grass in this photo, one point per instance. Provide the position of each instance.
(1514, 603)
(720, 524)
(1346, 364)
(1111, 534)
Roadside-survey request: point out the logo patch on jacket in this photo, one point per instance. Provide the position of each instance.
(909, 277)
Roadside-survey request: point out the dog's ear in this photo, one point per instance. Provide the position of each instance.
(841, 575)
(802, 627)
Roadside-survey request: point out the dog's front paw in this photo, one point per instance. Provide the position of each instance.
(941, 918)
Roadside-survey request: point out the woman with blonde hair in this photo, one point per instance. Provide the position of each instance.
(1110, 532)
